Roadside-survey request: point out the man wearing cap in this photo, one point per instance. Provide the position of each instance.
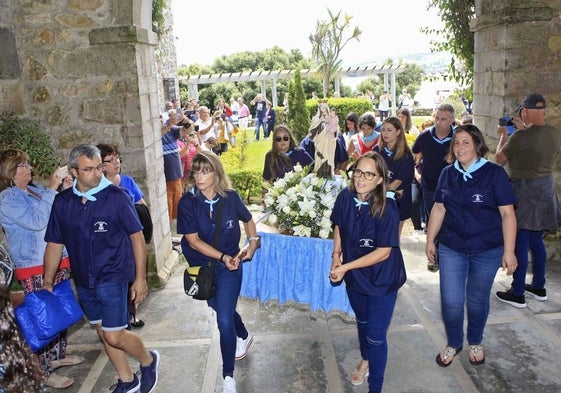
(531, 153)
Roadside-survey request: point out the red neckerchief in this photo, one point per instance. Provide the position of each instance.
(363, 147)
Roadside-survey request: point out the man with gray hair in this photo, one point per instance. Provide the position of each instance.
(98, 224)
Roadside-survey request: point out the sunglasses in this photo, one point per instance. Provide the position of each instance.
(285, 138)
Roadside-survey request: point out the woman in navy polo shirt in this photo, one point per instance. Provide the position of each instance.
(393, 147)
(284, 154)
(473, 217)
(366, 253)
(210, 197)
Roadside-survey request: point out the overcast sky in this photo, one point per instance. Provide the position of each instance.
(206, 31)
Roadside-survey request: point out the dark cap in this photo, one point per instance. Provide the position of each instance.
(532, 101)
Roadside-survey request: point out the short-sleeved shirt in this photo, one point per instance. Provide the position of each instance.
(361, 233)
(434, 156)
(532, 152)
(194, 217)
(403, 170)
(298, 156)
(172, 162)
(96, 235)
(129, 185)
(472, 221)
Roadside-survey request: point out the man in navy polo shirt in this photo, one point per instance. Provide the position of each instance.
(98, 224)
(434, 144)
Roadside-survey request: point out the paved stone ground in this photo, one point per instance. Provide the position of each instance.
(295, 351)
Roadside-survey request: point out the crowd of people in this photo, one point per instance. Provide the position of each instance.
(443, 182)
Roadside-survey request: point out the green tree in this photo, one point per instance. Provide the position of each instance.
(409, 79)
(327, 43)
(298, 115)
(456, 38)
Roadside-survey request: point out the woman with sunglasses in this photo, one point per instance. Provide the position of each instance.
(209, 206)
(366, 254)
(24, 212)
(284, 154)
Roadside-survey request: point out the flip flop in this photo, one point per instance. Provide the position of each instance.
(69, 360)
(449, 353)
(56, 381)
(474, 351)
(358, 378)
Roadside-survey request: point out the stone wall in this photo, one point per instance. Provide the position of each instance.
(517, 51)
(86, 70)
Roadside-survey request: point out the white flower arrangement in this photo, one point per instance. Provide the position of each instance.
(300, 203)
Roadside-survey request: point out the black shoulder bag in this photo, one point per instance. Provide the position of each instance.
(200, 281)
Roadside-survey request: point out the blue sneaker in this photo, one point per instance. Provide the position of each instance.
(149, 374)
(126, 387)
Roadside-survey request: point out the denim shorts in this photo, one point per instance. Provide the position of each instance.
(106, 304)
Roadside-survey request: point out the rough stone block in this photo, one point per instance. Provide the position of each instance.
(9, 61)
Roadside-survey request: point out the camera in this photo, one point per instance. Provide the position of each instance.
(196, 127)
(507, 122)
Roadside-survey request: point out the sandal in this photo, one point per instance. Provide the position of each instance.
(69, 360)
(56, 381)
(137, 323)
(357, 376)
(447, 353)
(475, 351)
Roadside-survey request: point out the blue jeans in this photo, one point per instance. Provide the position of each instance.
(230, 325)
(258, 124)
(106, 304)
(428, 200)
(373, 317)
(527, 240)
(466, 278)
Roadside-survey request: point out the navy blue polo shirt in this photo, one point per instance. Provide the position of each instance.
(360, 235)
(298, 156)
(194, 217)
(434, 156)
(403, 170)
(472, 221)
(96, 235)
(341, 154)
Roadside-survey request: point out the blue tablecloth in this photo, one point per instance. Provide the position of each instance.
(291, 268)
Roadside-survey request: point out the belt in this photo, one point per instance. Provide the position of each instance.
(242, 117)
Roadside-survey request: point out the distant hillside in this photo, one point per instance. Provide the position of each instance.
(431, 62)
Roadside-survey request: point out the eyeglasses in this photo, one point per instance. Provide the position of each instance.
(24, 165)
(89, 169)
(203, 172)
(285, 138)
(357, 173)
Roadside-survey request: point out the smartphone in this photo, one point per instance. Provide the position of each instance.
(62, 172)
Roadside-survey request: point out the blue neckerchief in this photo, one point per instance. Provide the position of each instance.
(351, 133)
(388, 152)
(441, 141)
(390, 194)
(472, 168)
(89, 195)
(211, 202)
(360, 203)
(371, 137)
(288, 153)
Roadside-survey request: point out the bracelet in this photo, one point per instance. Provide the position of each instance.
(221, 257)
(256, 238)
(335, 252)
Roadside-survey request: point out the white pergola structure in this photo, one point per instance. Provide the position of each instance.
(388, 71)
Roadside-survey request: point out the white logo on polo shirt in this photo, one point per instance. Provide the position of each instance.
(100, 226)
(366, 243)
(477, 198)
(229, 224)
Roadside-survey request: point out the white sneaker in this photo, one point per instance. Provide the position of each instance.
(229, 385)
(242, 346)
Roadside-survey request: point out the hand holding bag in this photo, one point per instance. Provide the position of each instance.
(45, 314)
(200, 281)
